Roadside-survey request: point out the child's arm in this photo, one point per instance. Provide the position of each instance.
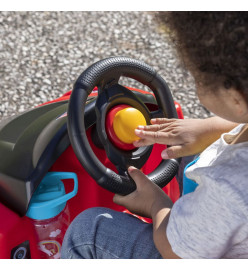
(185, 136)
(148, 200)
(160, 219)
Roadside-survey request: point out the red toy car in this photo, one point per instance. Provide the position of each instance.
(65, 156)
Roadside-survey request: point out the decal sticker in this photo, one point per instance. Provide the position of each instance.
(55, 233)
(51, 248)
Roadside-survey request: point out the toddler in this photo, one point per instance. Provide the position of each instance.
(212, 220)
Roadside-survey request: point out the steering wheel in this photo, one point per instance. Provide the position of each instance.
(105, 74)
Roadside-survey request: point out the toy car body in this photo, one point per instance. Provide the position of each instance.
(37, 142)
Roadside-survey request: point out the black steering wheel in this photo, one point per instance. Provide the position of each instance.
(105, 74)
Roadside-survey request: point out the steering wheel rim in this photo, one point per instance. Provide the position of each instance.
(104, 74)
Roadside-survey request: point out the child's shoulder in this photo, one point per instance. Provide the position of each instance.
(224, 153)
(222, 169)
(229, 173)
(228, 162)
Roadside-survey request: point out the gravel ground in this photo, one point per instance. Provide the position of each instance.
(42, 54)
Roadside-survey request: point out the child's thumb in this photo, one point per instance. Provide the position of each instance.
(139, 179)
(138, 176)
(173, 152)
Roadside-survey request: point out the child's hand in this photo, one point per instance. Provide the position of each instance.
(185, 136)
(146, 199)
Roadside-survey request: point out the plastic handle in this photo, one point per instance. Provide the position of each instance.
(59, 176)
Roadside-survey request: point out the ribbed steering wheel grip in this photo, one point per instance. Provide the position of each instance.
(164, 173)
(114, 67)
(118, 184)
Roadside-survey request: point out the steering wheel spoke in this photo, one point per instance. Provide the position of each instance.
(107, 83)
(122, 171)
(156, 114)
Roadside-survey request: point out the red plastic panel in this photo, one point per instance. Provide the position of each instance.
(15, 230)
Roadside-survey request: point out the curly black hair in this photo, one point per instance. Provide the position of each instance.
(212, 45)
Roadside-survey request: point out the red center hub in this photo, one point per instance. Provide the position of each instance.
(110, 130)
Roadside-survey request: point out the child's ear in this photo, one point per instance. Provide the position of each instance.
(239, 102)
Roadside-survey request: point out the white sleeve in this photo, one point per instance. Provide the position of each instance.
(203, 223)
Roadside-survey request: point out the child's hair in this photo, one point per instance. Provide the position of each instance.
(212, 45)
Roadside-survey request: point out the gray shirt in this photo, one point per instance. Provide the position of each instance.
(212, 221)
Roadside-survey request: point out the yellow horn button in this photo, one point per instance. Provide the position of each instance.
(125, 122)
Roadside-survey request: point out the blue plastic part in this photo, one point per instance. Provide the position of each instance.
(188, 184)
(50, 198)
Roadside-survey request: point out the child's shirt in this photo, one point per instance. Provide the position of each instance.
(212, 221)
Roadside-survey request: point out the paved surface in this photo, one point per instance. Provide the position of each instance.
(42, 54)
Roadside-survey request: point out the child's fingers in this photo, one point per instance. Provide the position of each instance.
(142, 142)
(154, 136)
(176, 151)
(157, 124)
(160, 121)
(151, 127)
(120, 199)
